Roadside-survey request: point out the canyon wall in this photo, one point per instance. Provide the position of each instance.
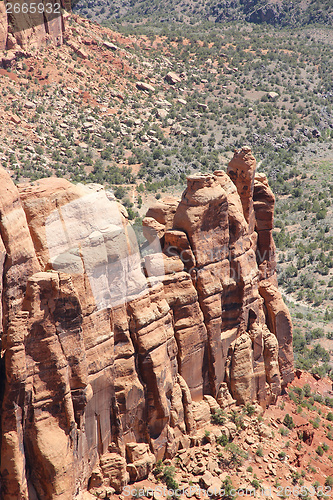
(112, 354)
(24, 29)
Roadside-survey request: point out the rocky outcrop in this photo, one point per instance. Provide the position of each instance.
(172, 78)
(112, 359)
(159, 218)
(241, 171)
(25, 30)
(141, 460)
(264, 201)
(3, 26)
(279, 323)
(242, 382)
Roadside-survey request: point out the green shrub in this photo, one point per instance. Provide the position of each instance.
(236, 418)
(318, 398)
(219, 417)
(158, 469)
(167, 474)
(169, 479)
(255, 483)
(236, 454)
(249, 409)
(228, 489)
(307, 390)
(316, 423)
(260, 451)
(295, 477)
(329, 402)
(329, 481)
(222, 440)
(288, 421)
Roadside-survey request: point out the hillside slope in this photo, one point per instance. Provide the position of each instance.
(139, 113)
(276, 12)
(81, 111)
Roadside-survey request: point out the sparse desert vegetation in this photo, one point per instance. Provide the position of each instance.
(210, 88)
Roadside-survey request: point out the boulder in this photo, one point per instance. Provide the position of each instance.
(145, 86)
(110, 46)
(202, 106)
(224, 398)
(264, 431)
(207, 479)
(176, 243)
(172, 78)
(113, 467)
(213, 404)
(201, 413)
(159, 265)
(161, 113)
(152, 229)
(232, 429)
(141, 460)
(163, 211)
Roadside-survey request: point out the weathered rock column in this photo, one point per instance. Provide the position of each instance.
(241, 170)
(203, 215)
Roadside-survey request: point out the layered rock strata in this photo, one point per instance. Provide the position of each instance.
(113, 359)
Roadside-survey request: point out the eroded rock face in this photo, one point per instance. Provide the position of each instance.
(3, 26)
(241, 171)
(264, 201)
(24, 30)
(242, 381)
(112, 360)
(159, 218)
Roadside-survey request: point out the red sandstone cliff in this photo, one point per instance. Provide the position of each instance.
(107, 363)
(25, 30)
